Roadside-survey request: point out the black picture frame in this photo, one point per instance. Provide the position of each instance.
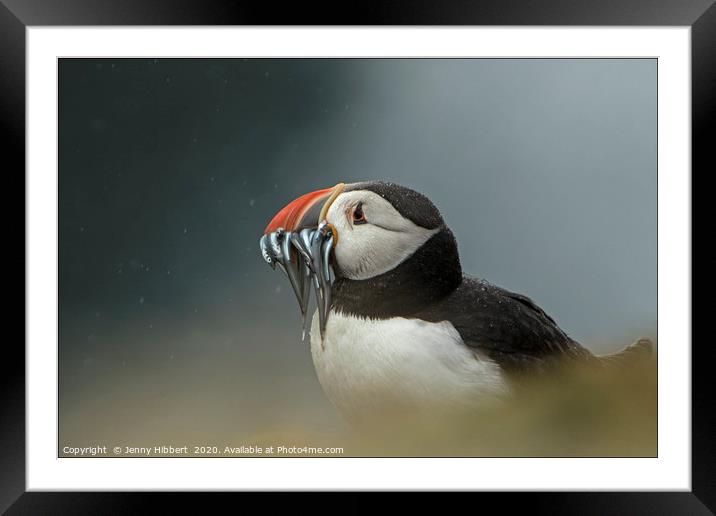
(700, 15)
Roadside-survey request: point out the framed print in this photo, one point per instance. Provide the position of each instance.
(405, 255)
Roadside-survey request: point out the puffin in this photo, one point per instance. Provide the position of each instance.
(398, 328)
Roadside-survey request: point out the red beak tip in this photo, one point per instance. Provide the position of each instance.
(290, 216)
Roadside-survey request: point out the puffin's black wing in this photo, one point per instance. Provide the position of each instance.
(510, 328)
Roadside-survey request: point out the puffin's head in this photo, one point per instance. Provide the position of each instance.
(363, 230)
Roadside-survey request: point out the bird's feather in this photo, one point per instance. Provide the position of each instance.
(510, 328)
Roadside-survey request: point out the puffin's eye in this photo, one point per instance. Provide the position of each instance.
(358, 215)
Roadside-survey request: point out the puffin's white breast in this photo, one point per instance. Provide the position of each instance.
(368, 365)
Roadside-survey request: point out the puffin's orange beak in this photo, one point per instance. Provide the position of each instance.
(305, 212)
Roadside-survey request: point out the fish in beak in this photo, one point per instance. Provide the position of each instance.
(300, 241)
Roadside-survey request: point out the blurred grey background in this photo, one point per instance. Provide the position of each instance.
(171, 325)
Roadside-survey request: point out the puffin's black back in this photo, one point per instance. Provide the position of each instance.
(509, 328)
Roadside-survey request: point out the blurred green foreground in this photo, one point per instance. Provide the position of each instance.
(577, 412)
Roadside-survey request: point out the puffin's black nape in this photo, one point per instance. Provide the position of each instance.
(412, 205)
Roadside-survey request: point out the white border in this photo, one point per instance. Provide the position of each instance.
(671, 470)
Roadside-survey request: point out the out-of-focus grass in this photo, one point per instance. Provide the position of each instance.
(576, 412)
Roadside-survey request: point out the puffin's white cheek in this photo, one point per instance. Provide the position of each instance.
(371, 251)
(368, 251)
(348, 253)
(342, 257)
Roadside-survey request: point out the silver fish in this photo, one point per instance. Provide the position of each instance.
(305, 258)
